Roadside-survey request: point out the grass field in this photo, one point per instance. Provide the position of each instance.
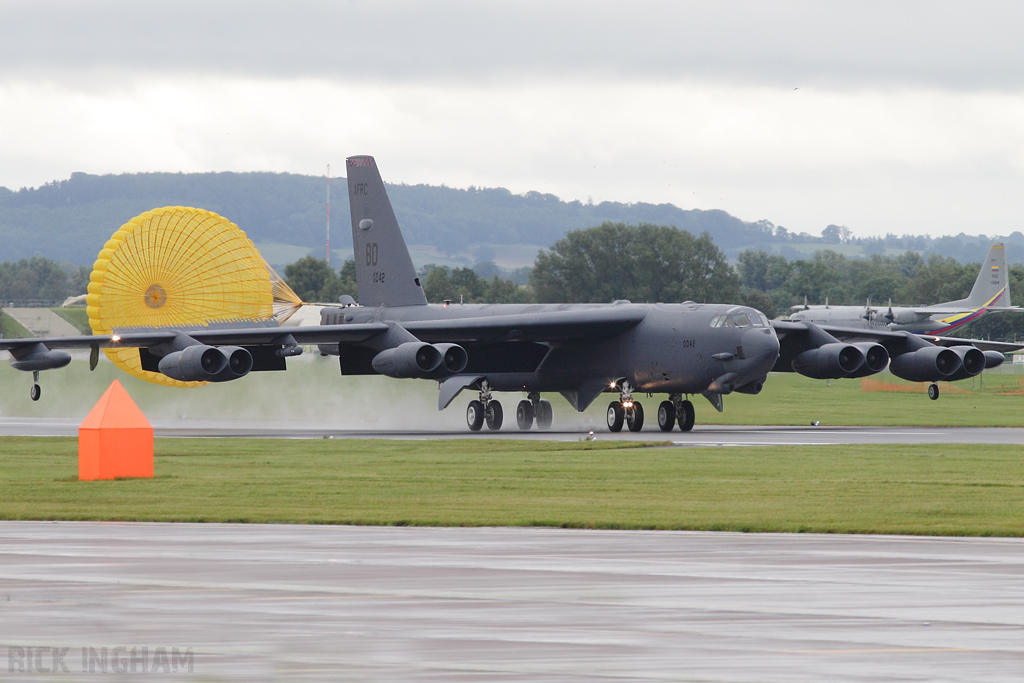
(996, 400)
(949, 490)
(11, 328)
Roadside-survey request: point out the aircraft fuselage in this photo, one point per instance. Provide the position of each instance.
(674, 348)
(903, 318)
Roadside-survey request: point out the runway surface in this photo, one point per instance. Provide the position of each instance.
(384, 604)
(702, 435)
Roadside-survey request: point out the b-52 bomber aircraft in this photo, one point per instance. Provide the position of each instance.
(578, 350)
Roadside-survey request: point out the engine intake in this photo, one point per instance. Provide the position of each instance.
(926, 365)
(239, 363)
(972, 362)
(408, 360)
(197, 363)
(454, 357)
(876, 358)
(830, 361)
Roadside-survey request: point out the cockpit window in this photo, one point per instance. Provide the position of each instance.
(744, 317)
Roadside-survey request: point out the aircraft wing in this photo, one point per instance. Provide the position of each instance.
(548, 326)
(894, 341)
(334, 334)
(983, 344)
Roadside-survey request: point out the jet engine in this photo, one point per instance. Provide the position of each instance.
(454, 357)
(411, 359)
(875, 359)
(972, 362)
(830, 361)
(38, 357)
(926, 365)
(239, 363)
(202, 363)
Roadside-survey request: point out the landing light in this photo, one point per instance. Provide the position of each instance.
(115, 338)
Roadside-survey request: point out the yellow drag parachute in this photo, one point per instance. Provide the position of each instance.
(180, 266)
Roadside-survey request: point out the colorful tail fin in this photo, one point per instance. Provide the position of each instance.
(992, 288)
(385, 275)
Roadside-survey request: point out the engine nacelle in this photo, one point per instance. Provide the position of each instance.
(926, 365)
(453, 357)
(829, 361)
(993, 359)
(38, 357)
(197, 363)
(408, 360)
(752, 388)
(972, 362)
(875, 359)
(239, 364)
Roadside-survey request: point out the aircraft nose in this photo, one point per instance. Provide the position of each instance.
(760, 349)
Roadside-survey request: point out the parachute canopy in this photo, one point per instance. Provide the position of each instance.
(180, 266)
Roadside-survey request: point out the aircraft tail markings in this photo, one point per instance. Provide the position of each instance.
(385, 275)
(991, 288)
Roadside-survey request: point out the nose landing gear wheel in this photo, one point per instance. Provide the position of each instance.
(544, 414)
(475, 415)
(933, 391)
(686, 417)
(635, 417)
(493, 415)
(524, 415)
(666, 416)
(616, 416)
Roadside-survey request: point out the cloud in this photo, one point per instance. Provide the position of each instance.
(885, 117)
(878, 161)
(794, 43)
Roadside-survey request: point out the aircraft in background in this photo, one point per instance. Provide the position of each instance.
(990, 294)
(578, 350)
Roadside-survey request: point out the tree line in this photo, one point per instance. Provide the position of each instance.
(41, 278)
(641, 263)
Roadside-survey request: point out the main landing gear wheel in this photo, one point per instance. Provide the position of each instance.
(475, 415)
(686, 417)
(524, 415)
(616, 416)
(666, 416)
(933, 391)
(484, 410)
(493, 415)
(635, 417)
(544, 414)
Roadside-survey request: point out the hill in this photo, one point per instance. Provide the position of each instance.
(69, 220)
(284, 213)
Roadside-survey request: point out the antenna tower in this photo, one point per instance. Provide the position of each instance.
(328, 215)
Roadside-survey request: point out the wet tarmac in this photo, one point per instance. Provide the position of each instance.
(294, 602)
(702, 435)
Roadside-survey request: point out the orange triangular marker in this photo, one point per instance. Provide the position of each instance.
(115, 439)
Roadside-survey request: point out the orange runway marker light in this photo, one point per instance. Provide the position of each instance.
(115, 439)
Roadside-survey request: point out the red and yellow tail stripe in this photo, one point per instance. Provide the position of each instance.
(961, 319)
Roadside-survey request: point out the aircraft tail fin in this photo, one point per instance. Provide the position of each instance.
(385, 275)
(992, 288)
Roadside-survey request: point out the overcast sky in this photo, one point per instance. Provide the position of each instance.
(903, 117)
